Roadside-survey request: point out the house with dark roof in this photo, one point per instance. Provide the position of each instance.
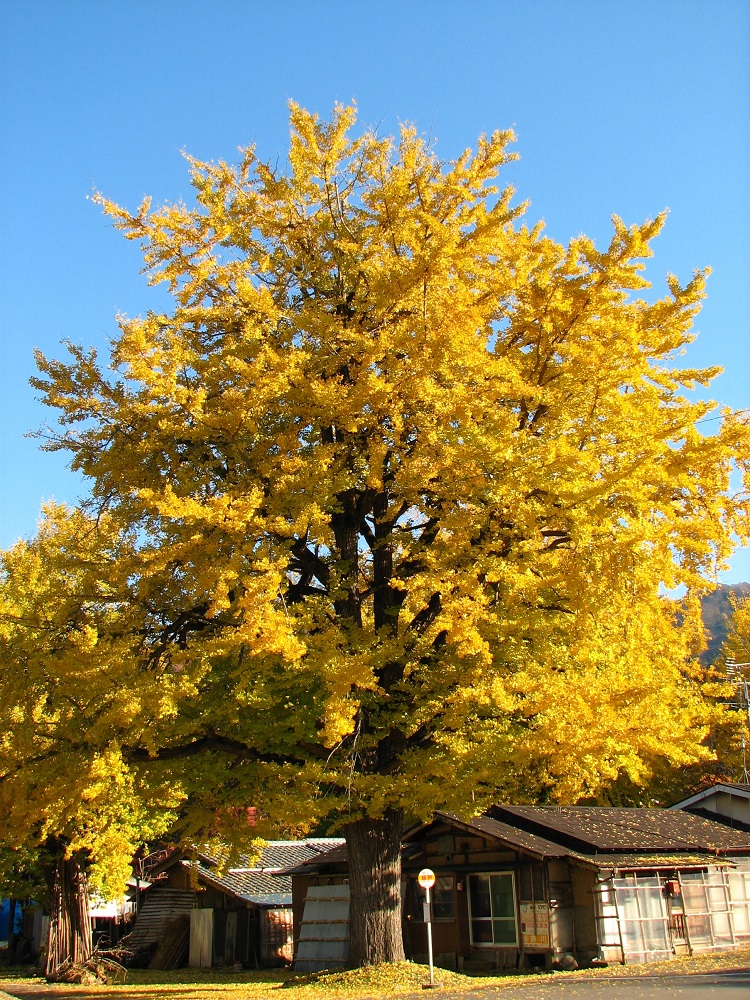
(203, 912)
(725, 801)
(546, 885)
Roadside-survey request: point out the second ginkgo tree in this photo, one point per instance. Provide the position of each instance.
(407, 484)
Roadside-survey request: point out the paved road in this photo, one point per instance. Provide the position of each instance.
(709, 986)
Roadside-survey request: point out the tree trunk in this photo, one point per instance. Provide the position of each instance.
(70, 924)
(374, 849)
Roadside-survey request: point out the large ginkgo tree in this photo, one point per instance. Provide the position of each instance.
(407, 486)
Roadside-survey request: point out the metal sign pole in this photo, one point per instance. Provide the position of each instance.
(429, 937)
(426, 879)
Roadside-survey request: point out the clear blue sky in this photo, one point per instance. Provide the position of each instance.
(618, 107)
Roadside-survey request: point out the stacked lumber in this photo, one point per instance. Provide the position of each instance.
(158, 909)
(175, 942)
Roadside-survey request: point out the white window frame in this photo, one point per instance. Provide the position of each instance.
(739, 898)
(492, 944)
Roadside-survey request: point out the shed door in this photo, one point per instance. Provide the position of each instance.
(201, 938)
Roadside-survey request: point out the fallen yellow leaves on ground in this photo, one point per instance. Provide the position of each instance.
(372, 982)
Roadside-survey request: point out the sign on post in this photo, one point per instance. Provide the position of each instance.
(426, 879)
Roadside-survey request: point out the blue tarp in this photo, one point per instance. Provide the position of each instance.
(4, 912)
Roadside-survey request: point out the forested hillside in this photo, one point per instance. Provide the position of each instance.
(716, 610)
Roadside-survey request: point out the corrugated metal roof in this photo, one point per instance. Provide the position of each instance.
(599, 836)
(271, 899)
(511, 836)
(610, 829)
(532, 844)
(258, 882)
(640, 861)
(250, 885)
(334, 856)
(282, 853)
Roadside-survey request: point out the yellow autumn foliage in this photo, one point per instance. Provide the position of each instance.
(394, 498)
(73, 682)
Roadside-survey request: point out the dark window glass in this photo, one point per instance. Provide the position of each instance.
(443, 901)
(441, 897)
(481, 931)
(493, 910)
(480, 896)
(502, 895)
(504, 931)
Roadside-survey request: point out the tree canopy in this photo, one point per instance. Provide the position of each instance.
(73, 677)
(398, 489)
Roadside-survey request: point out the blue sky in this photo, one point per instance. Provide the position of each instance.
(618, 107)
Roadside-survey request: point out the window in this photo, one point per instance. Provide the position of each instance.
(442, 899)
(644, 923)
(708, 910)
(492, 909)
(739, 895)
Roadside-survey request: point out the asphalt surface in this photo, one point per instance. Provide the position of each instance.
(703, 986)
(708, 986)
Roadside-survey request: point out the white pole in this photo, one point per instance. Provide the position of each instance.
(429, 937)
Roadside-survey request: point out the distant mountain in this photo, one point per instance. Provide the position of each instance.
(716, 610)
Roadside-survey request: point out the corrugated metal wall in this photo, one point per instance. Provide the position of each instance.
(324, 931)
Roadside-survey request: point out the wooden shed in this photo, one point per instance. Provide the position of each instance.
(239, 913)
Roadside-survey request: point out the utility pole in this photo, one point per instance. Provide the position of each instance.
(738, 678)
